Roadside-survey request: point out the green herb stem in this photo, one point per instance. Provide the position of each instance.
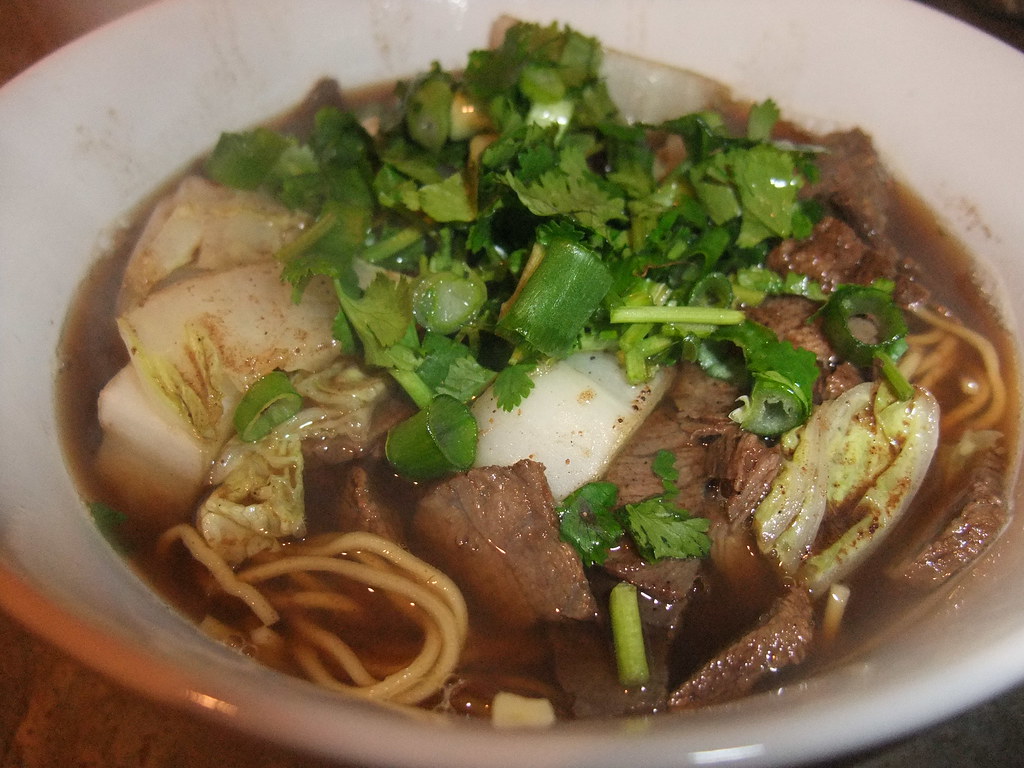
(388, 247)
(414, 386)
(308, 238)
(628, 635)
(902, 388)
(688, 315)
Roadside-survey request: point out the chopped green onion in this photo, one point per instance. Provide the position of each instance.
(558, 298)
(875, 308)
(713, 290)
(428, 115)
(439, 439)
(689, 315)
(773, 406)
(628, 635)
(781, 377)
(272, 400)
(444, 302)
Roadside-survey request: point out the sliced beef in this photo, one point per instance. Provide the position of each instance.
(833, 254)
(631, 471)
(669, 580)
(361, 508)
(736, 466)
(494, 530)
(791, 318)
(723, 471)
(698, 397)
(586, 671)
(744, 467)
(854, 182)
(855, 186)
(781, 638)
(979, 514)
(837, 380)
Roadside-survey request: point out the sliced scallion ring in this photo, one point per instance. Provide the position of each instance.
(881, 325)
(271, 401)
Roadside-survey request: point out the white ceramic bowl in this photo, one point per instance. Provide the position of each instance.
(92, 130)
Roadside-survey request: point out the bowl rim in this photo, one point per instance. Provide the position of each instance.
(87, 641)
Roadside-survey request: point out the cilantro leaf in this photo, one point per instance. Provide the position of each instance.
(245, 160)
(512, 384)
(590, 522)
(664, 467)
(382, 315)
(447, 200)
(661, 530)
(583, 197)
(768, 186)
(587, 521)
(761, 120)
(449, 368)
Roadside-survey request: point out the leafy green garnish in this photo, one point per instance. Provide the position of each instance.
(661, 530)
(590, 520)
(542, 238)
(513, 384)
(246, 160)
(781, 377)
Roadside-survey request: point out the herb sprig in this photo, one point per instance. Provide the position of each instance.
(591, 520)
(518, 189)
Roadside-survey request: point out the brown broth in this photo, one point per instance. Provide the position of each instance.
(723, 605)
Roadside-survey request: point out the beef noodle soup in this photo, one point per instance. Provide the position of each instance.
(486, 396)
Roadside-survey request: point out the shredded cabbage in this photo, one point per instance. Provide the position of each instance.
(342, 400)
(863, 455)
(260, 500)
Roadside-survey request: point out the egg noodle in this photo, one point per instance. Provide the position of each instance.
(933, 356)
(303, 603)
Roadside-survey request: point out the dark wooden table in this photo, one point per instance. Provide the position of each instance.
(55, 713)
